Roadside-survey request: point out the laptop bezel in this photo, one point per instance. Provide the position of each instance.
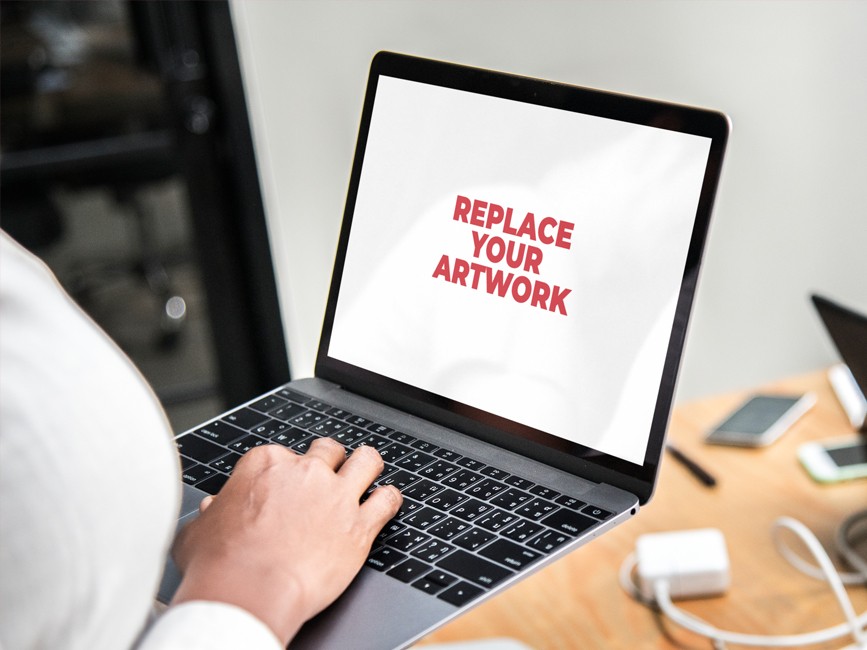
(570, 457)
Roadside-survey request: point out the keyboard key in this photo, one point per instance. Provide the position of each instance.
(196, 473)
(372, 440)
(287, 411)
(401, 437)
(485, 489)
(199, 449)
(290, 436)
(307, 419)
(391, 528)
(425, 446)
(423, 489)
(593, 511)
(213, 484)
(268, 403)
(245, 418)
(536, 509)
(318, 405)
(400, 479)
(510, 499)
(387, 470)
(328, 426)
(424, 517)
(349, 435)
(226, 463)
(409, 570)
(569, 521)
(381, 429)
(338, 413)
(359, 421)
(427, 585)
(493, 472)
(548, 540)
(509, 554)
(471, 509)
(270, 428)
(518, 482)
(569, 502)
(246, 443)
(438, 470)
(473, 568)
(473, 539)
(394, 452)
(469, 463)
(415, 461)
(462, 479)
(304, 446)
(220, 432)
(521, 530)
(447, 454)
(446, 499)
(460, 593)
(545, 493)
(384, 558)
(407, 507)
(496, 520)
(406, 540)
(432, 550)
(449, 528)
(441, 577)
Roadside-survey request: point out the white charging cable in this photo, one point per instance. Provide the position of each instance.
(853, 626)
(844, 540)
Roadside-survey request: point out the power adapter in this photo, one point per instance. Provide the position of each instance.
(694, 563)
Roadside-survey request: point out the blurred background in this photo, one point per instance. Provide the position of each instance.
(126, 163)
(182, 166)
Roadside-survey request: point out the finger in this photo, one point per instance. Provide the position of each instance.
(382, 505)
(205, 503)
(329, 450)
(362, 468)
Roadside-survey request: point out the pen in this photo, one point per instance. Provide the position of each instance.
(695, 469)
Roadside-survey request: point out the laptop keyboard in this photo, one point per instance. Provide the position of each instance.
(464, 526)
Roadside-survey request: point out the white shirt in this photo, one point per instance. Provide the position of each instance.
(89, 486)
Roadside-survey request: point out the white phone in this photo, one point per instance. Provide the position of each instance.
(835, 460)
(760, 420)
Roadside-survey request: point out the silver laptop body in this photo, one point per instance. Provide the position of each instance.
(510, 297)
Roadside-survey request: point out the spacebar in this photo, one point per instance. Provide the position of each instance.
(473, 568)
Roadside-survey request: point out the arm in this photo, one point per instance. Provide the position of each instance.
(286, 535)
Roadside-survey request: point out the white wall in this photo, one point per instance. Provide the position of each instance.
(790, 216)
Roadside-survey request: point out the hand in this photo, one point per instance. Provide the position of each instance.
(286, 534)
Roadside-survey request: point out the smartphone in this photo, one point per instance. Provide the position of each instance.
(760, 420)
(835, 460)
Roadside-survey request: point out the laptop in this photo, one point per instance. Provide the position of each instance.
(848, 331)
(511, 290)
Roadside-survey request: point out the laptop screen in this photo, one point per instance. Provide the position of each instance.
(517, 259)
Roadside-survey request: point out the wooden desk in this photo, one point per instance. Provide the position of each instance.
(578, 603)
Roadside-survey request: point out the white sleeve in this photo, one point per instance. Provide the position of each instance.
(205, 625)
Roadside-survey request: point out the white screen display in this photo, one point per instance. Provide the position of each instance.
(520, 259)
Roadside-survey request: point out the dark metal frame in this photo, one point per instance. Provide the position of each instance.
(192, 45)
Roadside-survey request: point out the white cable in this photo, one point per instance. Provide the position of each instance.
(626, 581)
(843, 548)
(854, 625)
(697, 625)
